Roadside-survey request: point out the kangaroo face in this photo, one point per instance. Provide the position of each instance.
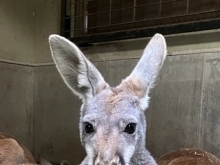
(112, 123)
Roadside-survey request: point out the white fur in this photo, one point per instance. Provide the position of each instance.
(128, 153)
(90, 154)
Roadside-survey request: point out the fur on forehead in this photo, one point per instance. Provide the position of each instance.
(138, 89)
(113, 97)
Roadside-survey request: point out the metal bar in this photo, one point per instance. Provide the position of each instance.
(81, 2)
(70, 9)
(63, 15)
(72, 21)
(110, 13)
(125, 23)
(160, 7)
(187, 6)
(147, 32)
(151, 4)
(134, 11)
(85, 17)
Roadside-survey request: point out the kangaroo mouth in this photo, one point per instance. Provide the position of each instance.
(116, 160)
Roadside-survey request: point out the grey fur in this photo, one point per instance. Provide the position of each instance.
(109, 109)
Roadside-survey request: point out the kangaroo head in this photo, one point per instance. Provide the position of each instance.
(112, 122)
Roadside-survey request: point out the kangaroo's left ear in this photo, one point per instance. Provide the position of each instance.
(142, 78)
(80, 75)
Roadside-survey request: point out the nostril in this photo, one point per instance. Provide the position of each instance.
(97, 163)
(114, 163)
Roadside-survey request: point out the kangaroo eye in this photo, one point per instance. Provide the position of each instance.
(88, 127)
(130, 128)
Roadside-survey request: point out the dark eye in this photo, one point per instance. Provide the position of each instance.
(130, 128)
(88, 127)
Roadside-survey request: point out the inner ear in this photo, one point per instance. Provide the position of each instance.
(134, 86)
(80, 75)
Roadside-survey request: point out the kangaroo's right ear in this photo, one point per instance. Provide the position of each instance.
(80, 75)
(142, 78)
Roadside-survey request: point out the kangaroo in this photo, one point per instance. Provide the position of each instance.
(14, 153)
(112, 123)
(188, 156)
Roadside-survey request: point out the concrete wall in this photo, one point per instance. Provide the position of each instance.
(56, 117)
(16, 49)
(24, 29)
(17, 30)
(47, 21)
(16, 102)
(38, 108)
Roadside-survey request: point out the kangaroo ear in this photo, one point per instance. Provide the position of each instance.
(80, 75)
(142, 78)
